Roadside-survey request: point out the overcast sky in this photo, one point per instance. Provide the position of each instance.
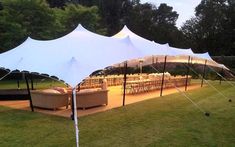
(185, 8)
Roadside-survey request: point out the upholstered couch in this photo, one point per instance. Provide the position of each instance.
(49, 100)
(91, 98)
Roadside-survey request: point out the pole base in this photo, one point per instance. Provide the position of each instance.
(72, 117)
(207, 114)
(230, 100)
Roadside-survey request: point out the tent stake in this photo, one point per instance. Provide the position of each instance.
(186, 83)
(30, 99)
(204, 72)
(124, 84)
(163, 75)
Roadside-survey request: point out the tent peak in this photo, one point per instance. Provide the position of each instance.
(125, 27)
(29, 38)
(80, 28)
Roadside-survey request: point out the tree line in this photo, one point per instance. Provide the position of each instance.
(211, 29)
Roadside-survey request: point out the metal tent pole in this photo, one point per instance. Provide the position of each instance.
(124, 84)
(18, 84)
(152, 59)
(186, 82)
(72, 107)
(72, 104)
(31, 79)
(163, 75)
(30, 99)
(204, 72)
(156, 62)
(75, 117)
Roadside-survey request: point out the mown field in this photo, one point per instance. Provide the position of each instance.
(164, 121)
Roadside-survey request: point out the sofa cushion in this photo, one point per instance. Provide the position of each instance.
(60, 90)
(50, 91)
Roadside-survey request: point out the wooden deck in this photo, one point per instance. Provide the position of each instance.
(114, 101)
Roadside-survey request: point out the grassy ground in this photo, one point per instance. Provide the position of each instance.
(38, 84)
(167, 121)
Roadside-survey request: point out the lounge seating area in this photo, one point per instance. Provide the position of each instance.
(54, 99)
(49, 99)
(91, 98)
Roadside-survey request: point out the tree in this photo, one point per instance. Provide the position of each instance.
(34, 18)
(23, 18)
(213, 27)
(73, 14)
(191, 31)
(165, 15)
(11, 34)
(56, 3)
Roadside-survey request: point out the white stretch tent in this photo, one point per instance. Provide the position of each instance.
(76, 55)
(70, 58)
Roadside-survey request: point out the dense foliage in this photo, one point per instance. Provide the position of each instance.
(212, 29)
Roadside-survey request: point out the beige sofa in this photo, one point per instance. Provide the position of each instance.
(49, 100)
(91, 98)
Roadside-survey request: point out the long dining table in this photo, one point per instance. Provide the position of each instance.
(145, 85)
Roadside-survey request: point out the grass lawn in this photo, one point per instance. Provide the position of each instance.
(166, 121)
(38, 84)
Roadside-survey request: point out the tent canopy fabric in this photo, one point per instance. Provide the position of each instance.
(160, 50)
(173, 51)
(76, 55)
(72, 57)
(146, 46)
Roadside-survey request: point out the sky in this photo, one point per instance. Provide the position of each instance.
(185, 8)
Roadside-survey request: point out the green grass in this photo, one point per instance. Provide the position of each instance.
(167, 121)
(38, 84)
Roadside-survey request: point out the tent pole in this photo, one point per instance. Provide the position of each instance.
(30, 99)
(31, 79)
(75, 117)
(124, 84)
(18, 84)
(204, 72)
(156, 62)
(163, 75)
(222, 72)
(72, 107)
(152, 59)
(186, 82)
